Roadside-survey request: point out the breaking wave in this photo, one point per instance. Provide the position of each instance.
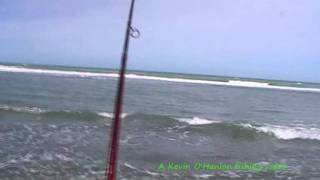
(234, 83)
(197, 121)
(234, 129)
(83, 115)
(286, 132)
(279, 131)
(194, 124)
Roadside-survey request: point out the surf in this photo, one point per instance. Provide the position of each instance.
(85, 74)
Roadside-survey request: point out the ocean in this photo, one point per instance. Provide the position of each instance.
(55, 124)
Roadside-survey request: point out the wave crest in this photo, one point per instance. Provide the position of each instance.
(286, 132)
(197, 121)
(85, 115)
(279, 131)
(234, 83)
(207, 126)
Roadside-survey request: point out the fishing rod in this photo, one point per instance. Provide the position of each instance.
(111, 168)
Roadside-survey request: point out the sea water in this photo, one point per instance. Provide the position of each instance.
(55, 124)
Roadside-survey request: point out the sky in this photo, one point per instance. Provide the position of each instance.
(273, 39)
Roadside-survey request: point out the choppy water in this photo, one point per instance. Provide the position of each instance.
(54, 124)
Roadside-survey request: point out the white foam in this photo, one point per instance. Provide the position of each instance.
(196, 121)
(54, 72)
(203, 176)
(63, 157)
(32, 110)
(287, 133)
(130, 166)
(36, 110)
(142, 171)
(110, 115)
(235, 83)
(248, 83)
(105, 114)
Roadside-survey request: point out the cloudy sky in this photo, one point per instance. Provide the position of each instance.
(275, 39)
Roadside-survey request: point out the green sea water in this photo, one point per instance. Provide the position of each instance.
(55, 125)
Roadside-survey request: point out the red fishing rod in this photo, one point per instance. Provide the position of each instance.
(111, 168)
